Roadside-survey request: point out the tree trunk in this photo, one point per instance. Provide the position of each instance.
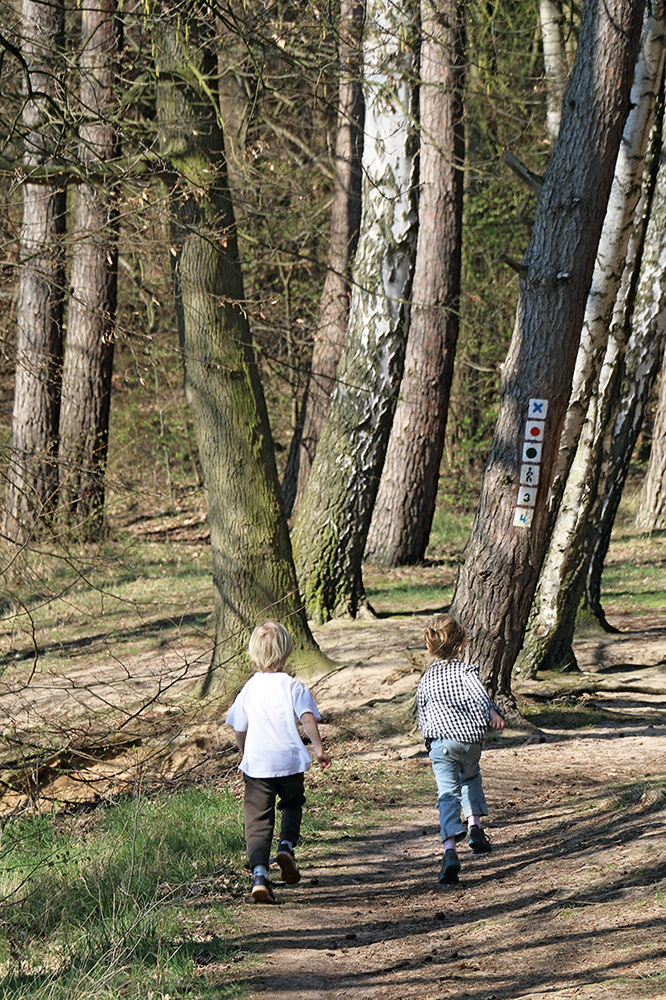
(614, 268)
(333, 520)
(626, 383)
(652, 508)
(32, 476)
(508, 542)
(620, 246)
(253, 571)
(405, 503)
(87, 370)
(345, 221)
(554, 62)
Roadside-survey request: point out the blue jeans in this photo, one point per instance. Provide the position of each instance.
(458, 777)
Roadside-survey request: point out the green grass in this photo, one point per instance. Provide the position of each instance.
(137, 898)
(123, 904)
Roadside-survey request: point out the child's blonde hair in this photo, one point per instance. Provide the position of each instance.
(270, 645)
(445, 637)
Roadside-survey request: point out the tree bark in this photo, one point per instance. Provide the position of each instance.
(652, 508)
(405, 503)
(612, 428)
(611, 284)
(503, 557)
(32, 476)
(253, 571)
(555, 63)
(345, 221)
(333, 520)
(88, 365)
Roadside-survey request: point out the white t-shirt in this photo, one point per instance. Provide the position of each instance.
(267, 709)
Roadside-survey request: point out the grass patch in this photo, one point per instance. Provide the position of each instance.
(565, 713)
(125, 903)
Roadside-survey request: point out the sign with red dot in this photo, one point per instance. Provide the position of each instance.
(531, 457)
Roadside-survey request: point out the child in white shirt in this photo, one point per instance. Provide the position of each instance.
(264, 717)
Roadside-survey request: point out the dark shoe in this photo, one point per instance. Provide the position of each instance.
(285, 859)
(450, 868)
(477, 840)
(261, 890)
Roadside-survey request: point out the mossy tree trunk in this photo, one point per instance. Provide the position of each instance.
(345, 220)
(497, 582)
(32, 476)
(91, 316)
(405, 503)
(253, 571)
(334, 517)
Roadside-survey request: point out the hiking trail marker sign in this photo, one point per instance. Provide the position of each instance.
(531, 459)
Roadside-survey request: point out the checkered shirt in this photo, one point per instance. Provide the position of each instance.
(452, 702)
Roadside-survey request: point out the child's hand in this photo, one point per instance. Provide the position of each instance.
(323, 758)
(496, 720)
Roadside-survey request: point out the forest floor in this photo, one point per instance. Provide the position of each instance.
(571, 902)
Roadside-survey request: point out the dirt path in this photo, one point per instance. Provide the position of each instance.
(571, 902)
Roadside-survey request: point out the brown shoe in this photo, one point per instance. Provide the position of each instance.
(261, 890)
(287, 863)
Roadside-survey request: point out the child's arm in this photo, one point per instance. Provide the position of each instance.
(496, 720)
(310, 726)
(240, 739)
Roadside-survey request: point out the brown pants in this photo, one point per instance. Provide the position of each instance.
(259, 813)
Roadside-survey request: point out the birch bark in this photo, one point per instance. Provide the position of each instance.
(334, 517)
(555, 63)
(405, 503)
(345, 221)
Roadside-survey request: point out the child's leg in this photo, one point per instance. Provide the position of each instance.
(445, 758)
(290, 804)
(259, 817)
(473, 800)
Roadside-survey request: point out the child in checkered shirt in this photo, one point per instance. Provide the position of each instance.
(454, 712)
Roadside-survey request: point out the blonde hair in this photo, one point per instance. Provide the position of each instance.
(445, 637)
(270, 645)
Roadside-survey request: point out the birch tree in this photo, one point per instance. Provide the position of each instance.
(32, 476)
(606, 309)
(345, 220)
(555, 63)
(405, 503)
(253, 572)
(504, 555)
(334, 517)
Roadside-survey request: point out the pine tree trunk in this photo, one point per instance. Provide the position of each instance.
(87, 369)
(507, 546)
(32, 476)
(574, 487)
(652, 508)
(253, 571)
(334, 517)
(345, 221)
(626, 383)
(405, 503)
(620, 246)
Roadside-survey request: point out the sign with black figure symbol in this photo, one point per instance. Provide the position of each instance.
(532, 445)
